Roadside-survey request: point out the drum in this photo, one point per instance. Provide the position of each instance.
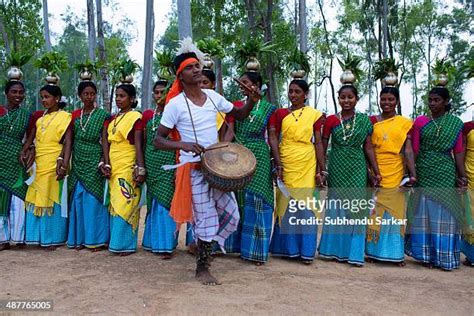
(228, 166)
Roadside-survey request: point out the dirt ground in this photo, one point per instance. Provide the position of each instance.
(84, 282)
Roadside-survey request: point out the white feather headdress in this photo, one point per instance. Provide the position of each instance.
(186, 45)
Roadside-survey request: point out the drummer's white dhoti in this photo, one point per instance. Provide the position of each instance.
(215, 213)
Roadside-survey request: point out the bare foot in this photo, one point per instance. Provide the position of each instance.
(80, 247)
(97, 249)
(166, 256)
(306, 262)
(4, 247)
(50, 248)
(428, 265)
(192, 249)
(468, 263)
(401, 264)
(369, 260)
(206, 278)
(357, 265)
(124, 254)
(258, 264)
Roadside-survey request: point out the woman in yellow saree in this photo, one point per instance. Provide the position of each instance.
(46, 200)
(124, 167)
(390, 138)
(296, 156)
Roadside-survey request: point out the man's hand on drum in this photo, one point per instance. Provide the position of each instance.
(192, 147)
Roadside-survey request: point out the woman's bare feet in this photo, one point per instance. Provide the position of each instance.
(206, 278)
(124, 254)
(50, 248)
(97, 249)
(4, 246)
(468, 263)
(401, 264)
(166, 256)
(428, 265)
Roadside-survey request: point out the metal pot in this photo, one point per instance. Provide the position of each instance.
(14, 74)
(298, 74)
(52, 78)
(390, 80)
(128, 79)
(347, 77)
(207, 62)
(252, 64)
(85, 75)
(442, 80)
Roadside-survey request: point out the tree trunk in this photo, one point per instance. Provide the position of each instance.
(5, 38)
(148, 56)
(272, 95)
(296, 18)
(385, 27)
(250, 6)
(331, 55)
(184, 19)
(91, 29)
(218, 34)
(104, 85)
(302, 26)
(47, 38)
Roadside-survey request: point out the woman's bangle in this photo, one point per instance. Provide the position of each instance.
(107, 166)
(324, 173)
(141, 170)
(100, 164)
(60, 158)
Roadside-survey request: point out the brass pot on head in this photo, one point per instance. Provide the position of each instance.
(14, 74)
(390, 80)
(252, 64)
(298, 74)
(442, 80)
(128, 79)
(52, 79)
(347, 77)
(85, 75)
(207, 62)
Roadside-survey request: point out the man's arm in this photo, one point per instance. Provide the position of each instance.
(162, 142)
(241, 113)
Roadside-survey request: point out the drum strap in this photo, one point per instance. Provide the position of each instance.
(191, 116)
(225, 122)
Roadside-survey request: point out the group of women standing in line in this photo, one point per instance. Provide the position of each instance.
(111, 157)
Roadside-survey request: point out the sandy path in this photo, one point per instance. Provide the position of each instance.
(86, 282)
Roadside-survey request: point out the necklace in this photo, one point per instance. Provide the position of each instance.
(83, 127)
(380, 119)
(117, 122)
(254, 110)
(347, 126)
(44, 128)
(10, 123)
(438, 127)
(299, 116)
(156, 113)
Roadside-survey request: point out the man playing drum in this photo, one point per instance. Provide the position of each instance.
(189, 125)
